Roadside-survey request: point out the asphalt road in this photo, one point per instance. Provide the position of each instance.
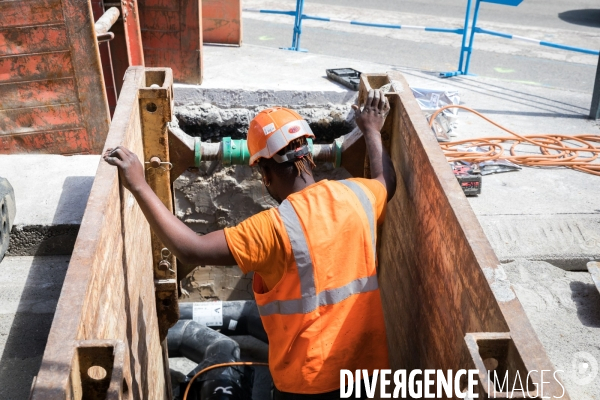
(561, 14)
(563, 21)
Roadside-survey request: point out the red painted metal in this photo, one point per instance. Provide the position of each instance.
(124, 51)
(133, 35)
(52, 96)
(222, 21)
(172, 36)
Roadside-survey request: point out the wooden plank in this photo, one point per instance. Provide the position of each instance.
(55, 117)
(36, 67)
(108, 293)
(30, 12)
(33, 39)
(438, 275)
(178, 46)
(222, 21)
(50, 142)
(37, 93)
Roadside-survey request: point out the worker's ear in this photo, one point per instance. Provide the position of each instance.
(266, 173)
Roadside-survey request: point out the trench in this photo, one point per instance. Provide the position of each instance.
(213, 197)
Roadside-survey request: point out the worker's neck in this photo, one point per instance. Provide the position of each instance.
(297, 184)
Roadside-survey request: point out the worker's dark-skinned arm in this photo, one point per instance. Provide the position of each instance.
(191, 249)
(370, 121)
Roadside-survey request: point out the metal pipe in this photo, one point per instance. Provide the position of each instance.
(595, 107)
(106, 21)
(323, 153)
(235, 152)
(468, 59)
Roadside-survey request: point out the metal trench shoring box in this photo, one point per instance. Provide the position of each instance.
(156, 110)
(446, 301)
(119, 296)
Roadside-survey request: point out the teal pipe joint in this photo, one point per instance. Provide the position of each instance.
(197, 152)
(309, 141)
(235, 152)
(337, 152)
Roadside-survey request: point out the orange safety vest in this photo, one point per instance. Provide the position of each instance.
(325, 313)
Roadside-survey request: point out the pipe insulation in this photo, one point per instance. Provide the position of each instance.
(207, 347)
(239, 318)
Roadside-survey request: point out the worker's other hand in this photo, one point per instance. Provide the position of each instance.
(372, 116)
(130, 168)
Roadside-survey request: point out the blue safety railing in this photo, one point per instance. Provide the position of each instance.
(466, 50)
(299, 16)
(468, 31)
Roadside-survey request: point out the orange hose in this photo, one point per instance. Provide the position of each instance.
(563, 155)
(229, 364)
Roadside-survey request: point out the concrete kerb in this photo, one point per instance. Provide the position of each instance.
(7, 213)
(51, 193)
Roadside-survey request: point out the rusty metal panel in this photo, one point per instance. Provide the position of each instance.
(51, 84)
(133, 35)
(35, 67)
(26, 13)
(45, 118)
(104, 49)
(33, 39)
(88, 70)
(172, 35)
(37, 94)
(222, 21)
(124, 51)
(108, 293)
(439, 277)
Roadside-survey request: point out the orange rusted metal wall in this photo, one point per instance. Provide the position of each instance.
(52, 96)
(222, 21)
(108, 297)
(172, 36)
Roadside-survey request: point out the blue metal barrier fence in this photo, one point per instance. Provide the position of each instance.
(469, 30)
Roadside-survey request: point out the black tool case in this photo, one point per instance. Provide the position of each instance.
(346, 76)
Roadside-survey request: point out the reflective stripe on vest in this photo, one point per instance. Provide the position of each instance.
(310, 300)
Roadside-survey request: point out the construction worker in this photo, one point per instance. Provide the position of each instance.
(313, 257)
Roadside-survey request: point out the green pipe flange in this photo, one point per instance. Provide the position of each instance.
(226, 152)
(235, 152)
(197, 152)
(337, 151)
(310, 144)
